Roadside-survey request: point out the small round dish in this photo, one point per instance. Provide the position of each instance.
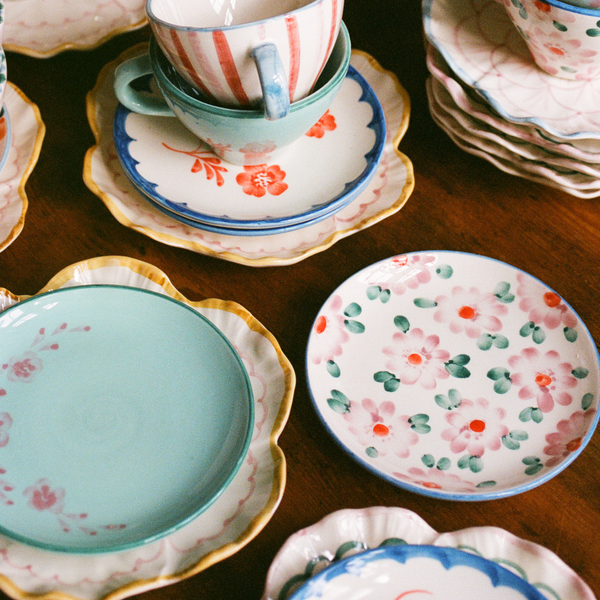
(125, 414)
(454, 375)
(179, 173)
(419, 572)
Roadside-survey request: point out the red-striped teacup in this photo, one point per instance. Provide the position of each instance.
(219, 47)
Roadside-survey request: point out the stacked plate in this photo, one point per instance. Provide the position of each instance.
(489, 96)
(316, 177)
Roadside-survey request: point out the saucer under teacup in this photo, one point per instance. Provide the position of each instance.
(318, 175)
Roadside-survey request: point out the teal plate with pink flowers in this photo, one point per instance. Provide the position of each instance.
(454, 375)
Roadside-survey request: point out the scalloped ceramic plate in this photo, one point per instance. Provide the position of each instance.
(386, 193)
(235, 518)
(141, 405)
(181, 174)
(348, 532)
(454, 375)
(27, 132)
(43, 28)
(397, 571)
(483, 47)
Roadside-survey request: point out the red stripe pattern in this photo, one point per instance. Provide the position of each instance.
(228, 67)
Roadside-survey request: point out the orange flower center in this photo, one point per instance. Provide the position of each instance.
(431, 485)
(321, 324)
(543, 380)
(466, 312)
(381, 430)
(551, 299)
(573, 444)
(557, 51)
(477, 425)
(542, 6)
(415, 359)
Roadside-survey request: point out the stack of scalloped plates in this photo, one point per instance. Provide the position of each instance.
(488, 95)
(180, 175)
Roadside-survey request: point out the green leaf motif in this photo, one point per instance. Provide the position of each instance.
(498, 373)
(570, 334)
(527, 329)
(500, 342)
(449, 402)
(354, 326)
(560, 27)
(486, 484)
(485, 341)
(444, 464)
(353, 310)
(371, 452)
(418, 423)
(510, 443)
(592, 32)
(503, 294)
(587, 401)
(373, 292)
(475, 464)
(428, 460)
(531, 460)
(391, 385)
(385, 296)
(580, 373)
(519, 434)
(537, 416)
(502, 385)
(402, 323)
(463, 462)
(534, 469)
(424, 303)
(333, 369)
(444, 271)
(382, 376)
(338, 402)
(419, 418)
(457, 371)
(525, 414)
(538, 335)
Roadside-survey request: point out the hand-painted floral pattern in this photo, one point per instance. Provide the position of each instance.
(415, 357)
(470, 311)
(544, 378)
(325, 123)
(329, 333)
(5, 425)
(204, 160)
(568, 436)
(543, 306)
(379, 428)
(475, 426)
(258, 180)
(445, 385)
(23, 368)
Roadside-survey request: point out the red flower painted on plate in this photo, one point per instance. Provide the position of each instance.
(325, 123)
(23, 368)
(42, 496)
(258, 180)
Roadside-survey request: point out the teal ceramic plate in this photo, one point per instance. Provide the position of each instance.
(123, 415)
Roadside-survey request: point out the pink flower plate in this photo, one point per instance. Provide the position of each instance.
(386, 193)
(21, 135)
(349, 532)
(43, 28)
(454, 375)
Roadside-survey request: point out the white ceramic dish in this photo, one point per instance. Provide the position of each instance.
(109, 380)
(179, 173)
(397, 571)
(348, 532)
(387, 192)
(43, 28)
(454, 375)
(581, 149)
(237, 516)
(27, 132)
(564, 177)
(482, 46)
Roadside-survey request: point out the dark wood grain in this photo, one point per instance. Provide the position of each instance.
(460, 202)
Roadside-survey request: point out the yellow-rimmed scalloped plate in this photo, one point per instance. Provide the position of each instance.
(235, 518)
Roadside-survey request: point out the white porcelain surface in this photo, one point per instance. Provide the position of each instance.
(387, 192)
(454, 375)
(43, 28)
(482, 46)
(26, 135)
(347, 532)
(237, 516)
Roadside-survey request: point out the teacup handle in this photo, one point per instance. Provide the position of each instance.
(273, 81)
(136, 101)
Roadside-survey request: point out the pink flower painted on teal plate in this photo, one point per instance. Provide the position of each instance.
(475, 426)
(435, 479)
(329, 332)
(470, 311)
(415, 357)
(5, 425)
(43, 496)
(377, 426)
(542, 305)
(23, 368)
(543, 378)
(568, 436)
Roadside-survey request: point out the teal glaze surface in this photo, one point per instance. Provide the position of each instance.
(123, 415)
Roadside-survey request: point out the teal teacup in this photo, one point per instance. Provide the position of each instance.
(239, 136)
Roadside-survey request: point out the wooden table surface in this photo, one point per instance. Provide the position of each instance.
(459, 202)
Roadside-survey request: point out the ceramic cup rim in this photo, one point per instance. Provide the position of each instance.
(572, 8)
(154, 19)
(241, 113)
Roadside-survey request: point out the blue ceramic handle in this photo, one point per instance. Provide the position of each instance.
(136, 101)
(276, 96)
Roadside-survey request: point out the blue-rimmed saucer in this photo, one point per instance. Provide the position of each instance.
(317, 176)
